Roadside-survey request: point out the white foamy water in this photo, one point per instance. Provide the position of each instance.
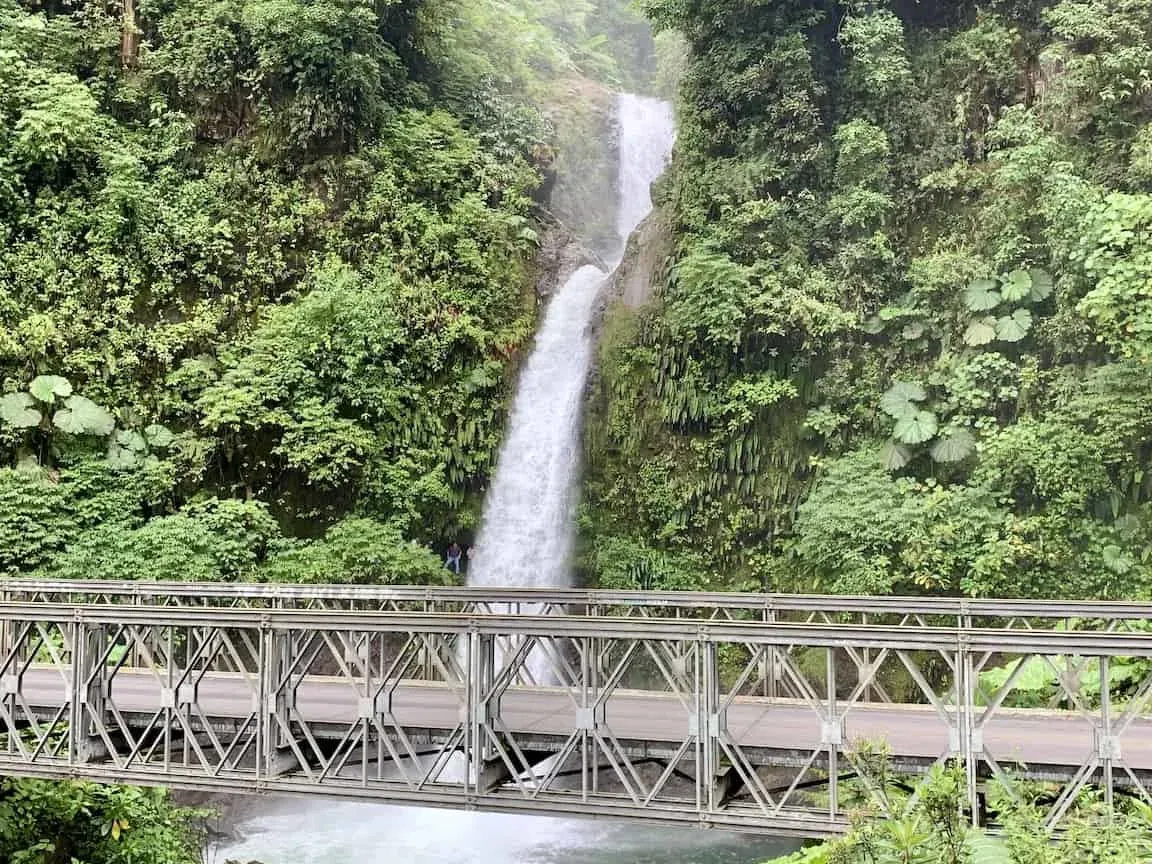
(527, 535)
(647, 131)
(299, 832)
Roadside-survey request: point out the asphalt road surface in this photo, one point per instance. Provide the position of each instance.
(1034, 738)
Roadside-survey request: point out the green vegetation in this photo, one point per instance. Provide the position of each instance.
(86, 823)
(265, 275)
(935, 830)
(265, 278)
(902, 345)
(275, 266)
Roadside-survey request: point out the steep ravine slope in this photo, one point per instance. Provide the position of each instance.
(903, 344)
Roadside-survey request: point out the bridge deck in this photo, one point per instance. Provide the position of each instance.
(1047, 744)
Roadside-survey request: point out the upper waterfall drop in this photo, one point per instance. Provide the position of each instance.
(647, 131)
(527, 531)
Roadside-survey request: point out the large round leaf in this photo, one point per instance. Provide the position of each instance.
(1042, 284)
(900, 398)
(980, 332)
(1014, 327)
(81, 416)
(981, 295)
(159, 436)
(48, 388)
(1017, 285)
(17, 409)
(956, 446)
(916, 428)
(895, 456)
(122, 458)
(914, 331)
(1116, 560)
(132, 440)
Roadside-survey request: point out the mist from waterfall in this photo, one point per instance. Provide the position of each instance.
(527, 533)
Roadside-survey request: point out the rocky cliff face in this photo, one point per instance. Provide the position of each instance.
(561, 254)
(640, 273)
(645, 261)
(581, 190)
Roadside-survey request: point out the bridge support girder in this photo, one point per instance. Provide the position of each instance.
(726, 785)
(91, 683)
(495, 772)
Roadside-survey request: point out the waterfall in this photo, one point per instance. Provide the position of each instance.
(527, 531)
(647, 130)
(525, 539)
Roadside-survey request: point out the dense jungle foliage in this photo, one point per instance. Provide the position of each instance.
(265, 276)
(86, 823)
(903, 344)
(935, 830)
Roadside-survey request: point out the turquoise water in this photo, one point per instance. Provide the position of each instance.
(302, 832)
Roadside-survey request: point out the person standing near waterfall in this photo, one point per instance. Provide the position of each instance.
(452, 562)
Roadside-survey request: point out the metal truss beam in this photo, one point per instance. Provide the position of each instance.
(751, 725)
(906, 611)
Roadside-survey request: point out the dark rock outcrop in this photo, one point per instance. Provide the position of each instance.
(645, 260)
(561, 254)
(643, 269)
(225, 812)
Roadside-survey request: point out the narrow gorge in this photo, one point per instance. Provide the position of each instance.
(527, 532)
(526, 540)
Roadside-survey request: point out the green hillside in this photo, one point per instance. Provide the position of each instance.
(902, 346)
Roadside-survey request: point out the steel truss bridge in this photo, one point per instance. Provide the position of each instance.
(745, 711)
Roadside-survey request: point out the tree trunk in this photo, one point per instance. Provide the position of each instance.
(130, 36)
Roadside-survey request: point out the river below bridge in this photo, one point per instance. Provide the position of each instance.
(302, 832)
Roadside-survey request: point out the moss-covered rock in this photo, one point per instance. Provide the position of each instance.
(645, 263)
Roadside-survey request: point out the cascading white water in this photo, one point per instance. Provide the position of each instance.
(526, 536)
(647, 131)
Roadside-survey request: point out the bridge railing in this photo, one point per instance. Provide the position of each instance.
(646, 718)
(768, 607)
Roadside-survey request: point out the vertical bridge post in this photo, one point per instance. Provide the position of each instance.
(833, 735)
(708, 723)
(277, 700)
(480, 674)
(90, 684)
(970, 748)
